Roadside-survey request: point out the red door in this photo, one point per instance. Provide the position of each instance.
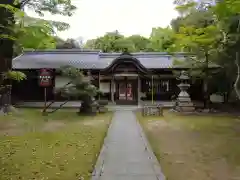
(125, 91)
(122, 91)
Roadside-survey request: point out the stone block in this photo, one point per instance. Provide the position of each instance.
(152, 110)
(102, 109)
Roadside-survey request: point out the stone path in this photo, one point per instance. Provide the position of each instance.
(126, 154)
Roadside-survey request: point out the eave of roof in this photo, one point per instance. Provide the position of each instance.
(91, 59)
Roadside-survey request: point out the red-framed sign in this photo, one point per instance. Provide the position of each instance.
(45, 78)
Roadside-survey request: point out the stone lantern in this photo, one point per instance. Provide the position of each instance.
(184, 103)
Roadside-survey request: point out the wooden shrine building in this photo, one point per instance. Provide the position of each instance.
(123, 78)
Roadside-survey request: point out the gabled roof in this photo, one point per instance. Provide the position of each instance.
(90, 59)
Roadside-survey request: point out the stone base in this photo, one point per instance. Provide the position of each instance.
(185, 107)
(184, 99)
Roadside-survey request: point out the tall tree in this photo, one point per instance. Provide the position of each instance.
(110, 42)
(139, 42)
(200, 38)
(228, 16)
(198, 18)
(90, 44)
(161, 39)
(80, 87)
(68, 44)
(35, 34)
(8, 10)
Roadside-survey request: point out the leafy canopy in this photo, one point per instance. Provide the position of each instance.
(79, 85)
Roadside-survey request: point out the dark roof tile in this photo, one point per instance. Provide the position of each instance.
(89, 59)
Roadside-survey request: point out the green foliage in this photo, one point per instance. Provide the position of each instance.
(68, 44)
(110, 42)
(161, 39)
(226, 9)
(227, 13)
(62, 7)
(198, 40)
(79, 86)
(185, 6)
(15, 75)
(202, 43)
(211, 29)
(38, 30)
(19, 31)
(140, 43)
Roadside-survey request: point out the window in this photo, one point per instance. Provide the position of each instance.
(159, 86)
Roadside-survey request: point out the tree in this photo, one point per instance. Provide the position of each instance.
(68, 44)
(202, 42)
(161, 39)
(90, 44)
(8, 10)
(124, 44)
(227, 13)
(115, 42)
(197, 18)
(198, 32)
(110, 42)
(39, 31)
(139, 43)
(8, 23)
(79, 87)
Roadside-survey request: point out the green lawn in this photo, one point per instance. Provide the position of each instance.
(195, 147)
(61, 146)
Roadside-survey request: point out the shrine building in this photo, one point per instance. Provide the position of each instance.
(123, 78)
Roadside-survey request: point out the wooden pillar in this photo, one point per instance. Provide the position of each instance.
(139, 90)
(89, 74)
(112, 89)
(99, 82)
(152, 89)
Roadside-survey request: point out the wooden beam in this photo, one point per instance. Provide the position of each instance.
(99, 83)
(152, 89)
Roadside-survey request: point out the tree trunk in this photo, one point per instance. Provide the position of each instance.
(237, 82)
(206, 91)
(87, 106)
(6, 52)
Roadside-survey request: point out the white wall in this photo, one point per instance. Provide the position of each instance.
(61, 81)
(216, 98)
(105, 87)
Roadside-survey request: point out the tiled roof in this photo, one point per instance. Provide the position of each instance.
(56, 59)
(88, 59)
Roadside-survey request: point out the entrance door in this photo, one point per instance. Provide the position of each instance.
(122, 91)
(126, 93)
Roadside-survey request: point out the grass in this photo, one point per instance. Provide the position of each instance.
(60, 146)
(195, 147)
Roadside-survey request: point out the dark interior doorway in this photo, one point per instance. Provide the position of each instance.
(126, 92)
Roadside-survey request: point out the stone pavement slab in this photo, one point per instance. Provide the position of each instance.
(126, 154)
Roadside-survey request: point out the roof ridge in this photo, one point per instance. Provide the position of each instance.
(75, 50)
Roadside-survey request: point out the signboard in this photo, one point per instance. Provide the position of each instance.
(45, 78)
